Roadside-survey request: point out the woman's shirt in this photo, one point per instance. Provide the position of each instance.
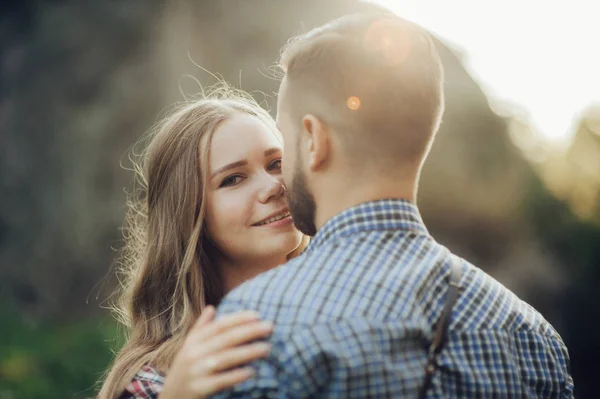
(146, 384)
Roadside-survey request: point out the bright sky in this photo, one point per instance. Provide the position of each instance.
(543, 55)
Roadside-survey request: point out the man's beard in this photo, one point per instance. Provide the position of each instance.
(301, 202)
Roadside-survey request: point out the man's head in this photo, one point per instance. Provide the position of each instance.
(361, 99)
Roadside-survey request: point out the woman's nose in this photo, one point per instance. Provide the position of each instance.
(273, 189)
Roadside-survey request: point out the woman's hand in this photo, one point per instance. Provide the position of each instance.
(211, 357)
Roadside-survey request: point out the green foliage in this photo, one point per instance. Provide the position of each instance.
(574, 241)
(53, 360)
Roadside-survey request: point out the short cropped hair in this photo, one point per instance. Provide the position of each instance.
(376, 79)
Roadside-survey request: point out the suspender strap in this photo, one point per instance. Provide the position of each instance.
(442, 327)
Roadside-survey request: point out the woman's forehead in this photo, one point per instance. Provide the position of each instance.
(240, 136)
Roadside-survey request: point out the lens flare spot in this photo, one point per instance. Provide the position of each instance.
(353, 103)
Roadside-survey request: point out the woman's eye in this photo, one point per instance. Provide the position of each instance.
(275, 165)
(231, 181)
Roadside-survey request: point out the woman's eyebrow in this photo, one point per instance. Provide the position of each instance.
(272, 150)
(232, 165)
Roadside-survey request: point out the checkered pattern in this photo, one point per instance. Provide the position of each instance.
(356, 313)
(146, 384)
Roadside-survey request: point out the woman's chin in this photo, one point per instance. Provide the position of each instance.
(283, 244)
(295, 239)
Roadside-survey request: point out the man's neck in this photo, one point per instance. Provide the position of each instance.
(334, 199)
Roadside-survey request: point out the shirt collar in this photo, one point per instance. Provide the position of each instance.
(384, 214)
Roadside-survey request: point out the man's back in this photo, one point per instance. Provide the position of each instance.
(356, 313)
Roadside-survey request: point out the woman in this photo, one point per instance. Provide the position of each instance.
(212, 215)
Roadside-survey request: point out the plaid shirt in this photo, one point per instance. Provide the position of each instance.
(356, 312)
(146, 384)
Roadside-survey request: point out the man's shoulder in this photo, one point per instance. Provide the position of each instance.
(493, 305)
(264, 289)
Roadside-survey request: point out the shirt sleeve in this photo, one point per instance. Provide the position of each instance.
(147, 384)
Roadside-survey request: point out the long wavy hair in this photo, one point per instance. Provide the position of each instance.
(165, 271)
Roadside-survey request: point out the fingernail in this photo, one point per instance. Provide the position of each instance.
(266, 325)
(253, 314)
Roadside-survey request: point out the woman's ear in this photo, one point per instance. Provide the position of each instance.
(318, 143)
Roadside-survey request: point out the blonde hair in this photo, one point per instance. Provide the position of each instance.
(376, 79)
(166, 274)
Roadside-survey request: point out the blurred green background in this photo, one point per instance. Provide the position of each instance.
(80, 81)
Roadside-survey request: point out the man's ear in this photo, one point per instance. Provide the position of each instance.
(318, 141)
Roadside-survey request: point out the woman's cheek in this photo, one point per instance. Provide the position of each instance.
(234, 210)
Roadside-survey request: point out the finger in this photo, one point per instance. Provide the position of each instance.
(222, 381)
(227, 322)
(232, 358)
(235, 336)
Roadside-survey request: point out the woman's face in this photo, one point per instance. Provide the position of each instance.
(247, 216)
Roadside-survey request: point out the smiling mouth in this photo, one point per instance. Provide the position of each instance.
(273, 219)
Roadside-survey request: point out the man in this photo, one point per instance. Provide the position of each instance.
(361, 312)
